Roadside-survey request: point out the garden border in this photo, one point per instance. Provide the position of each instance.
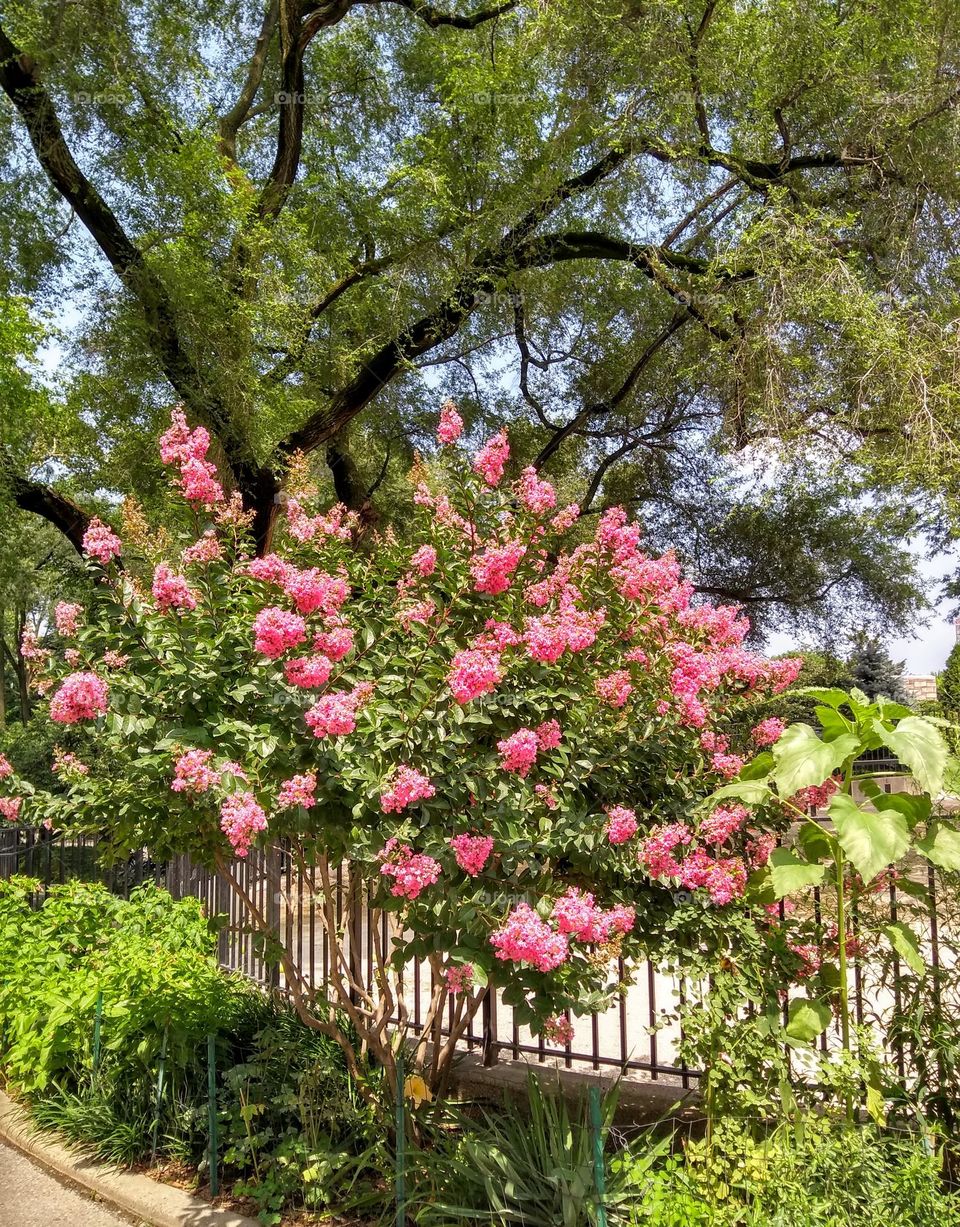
(159, 1205)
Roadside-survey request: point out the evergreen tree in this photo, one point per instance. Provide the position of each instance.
(876, 673)
(948, 684)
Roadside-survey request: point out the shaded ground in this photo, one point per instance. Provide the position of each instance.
(31, 1197)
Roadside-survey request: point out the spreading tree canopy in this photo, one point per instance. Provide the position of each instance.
(684, 246)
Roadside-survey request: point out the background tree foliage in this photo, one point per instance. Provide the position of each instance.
(693, 251)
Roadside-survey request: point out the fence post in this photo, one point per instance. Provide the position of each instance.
(599, 1172)
(212, 1111)
(401, 1183)
(97, 1021)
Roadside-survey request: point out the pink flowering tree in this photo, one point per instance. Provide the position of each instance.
(496, 732)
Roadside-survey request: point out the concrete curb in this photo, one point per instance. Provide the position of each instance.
(158, 1205)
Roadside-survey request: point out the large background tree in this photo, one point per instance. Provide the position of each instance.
(686, 247)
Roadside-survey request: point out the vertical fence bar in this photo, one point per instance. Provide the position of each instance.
(212, 1112)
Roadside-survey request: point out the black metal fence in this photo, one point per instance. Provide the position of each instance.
(640, 1035)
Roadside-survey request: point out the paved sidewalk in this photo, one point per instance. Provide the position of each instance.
(30, 1197)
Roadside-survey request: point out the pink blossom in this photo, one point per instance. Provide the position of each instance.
(206, 549)
(759, 847)
(817, 796)
(313, 590)
(270, 569)
(193, 774)
(565, 518)
(615, 688)
(496, 637)
(547, 637)
(5, 768)
(335, 643)
(621, 824)
(474, 673)
(68, 764)
(424, 560)
(727, 765)
(810, 959)
(115, 660)
(234, 769)
(558, 1030)
(10, 808)
(241, 820)
(82, 696)
(519, 751)
(546, 796)
(460, 978)
(492, 458)
(451, 423)
(177, 443)
(548, 734)
(536, 495)
(72, 657)
(407, 787)
(577, 915)
(198, 481)
(526, 938)
(299, 790)
(334, 714)
(172, 591)
(472, 852)
(412, 872)
(308, 672)
(727, 880)
(67, 617)
(276, 630)
(722, 823)
(493, 568)
(420, 613)
(768, 731)
(657, 851)
(101, 542)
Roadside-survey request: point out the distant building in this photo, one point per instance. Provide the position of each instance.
(921, 688)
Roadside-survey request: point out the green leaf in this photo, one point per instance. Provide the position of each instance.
(941, 844)
(815, 841)
(918, 744)
(754, 792)
(872, 840)
(833, 724)
(790, 874)
(904, 942)
(807, 1019)
(803, 760)
(832, 697)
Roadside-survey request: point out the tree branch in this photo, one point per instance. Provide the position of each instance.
(63, 513)
(434, 17)
(231, 121)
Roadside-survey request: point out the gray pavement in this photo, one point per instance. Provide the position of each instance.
(31, 1197)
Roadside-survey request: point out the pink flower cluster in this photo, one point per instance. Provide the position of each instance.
(657, 852)
(206, 549)
(526, 938)
(276, 630)
(424, 560)
(335, 714)
(724, 822)
(335, 642)
(547, 637)
(406, 788)
(558, 1030)
(621, 824)
(459, 978)
(312, 590)
(172, 591)
(101, 542)
(549, 735)
(472, 852)
(474, 672)
(536, 495)
(337, 523)
(615, 688)
(82, 696)
(5, 768)
(66, 616)
(492, 458)
(768, 731)
(576, 915)
(451, 423)
(241, 820)
(10, 808)
(188, 450)
(308, 672)
(519, 751)
(493, 568)
(817, 796)
(192, 772)
(412, 872)
(68, 764)
(299, 790)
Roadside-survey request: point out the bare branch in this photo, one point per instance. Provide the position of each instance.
(240, 111)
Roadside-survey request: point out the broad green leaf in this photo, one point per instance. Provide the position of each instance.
(834, 725)
(815, 841)
(915, 807)
(941, 844)
(807, 1019)
(802, 760)
(754, 792)
(831, 696)
(790, 874)
(872, 840)
(921, 747)
(904, 942)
